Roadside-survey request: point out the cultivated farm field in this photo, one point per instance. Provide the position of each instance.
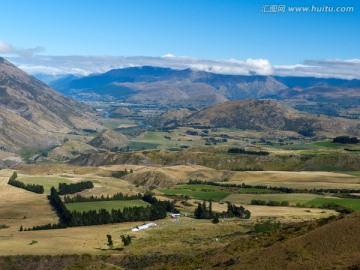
(23, 208)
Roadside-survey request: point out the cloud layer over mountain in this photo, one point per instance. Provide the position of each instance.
(29, 61)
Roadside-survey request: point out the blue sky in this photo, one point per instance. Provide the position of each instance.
(213, 29)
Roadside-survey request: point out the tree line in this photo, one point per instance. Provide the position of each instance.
(248, 152)
(210, 183)
(156, 210)
(277, 189)
(203, 211)
(346, 140)
(116, 197)
(30, 187)
(269, 203)
(74, 187)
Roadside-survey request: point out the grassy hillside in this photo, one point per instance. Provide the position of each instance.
(269, 115)
(219, 158)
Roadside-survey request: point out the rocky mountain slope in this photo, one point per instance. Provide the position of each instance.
(33, 115)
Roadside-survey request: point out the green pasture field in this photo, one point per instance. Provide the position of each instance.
(354, 173)
(350, 203)
(207, 188)
(142, 145)
(108, 205)
(111, 125)
(209, 195)
(46, 181)
(292, 198)
(197, 187)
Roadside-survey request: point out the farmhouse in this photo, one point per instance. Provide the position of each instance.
(175, 215)
(143, 227)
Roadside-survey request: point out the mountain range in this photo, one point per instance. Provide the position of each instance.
(33, 115)
(199, 89)
(164, 86)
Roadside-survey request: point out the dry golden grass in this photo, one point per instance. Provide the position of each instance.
(288, 214)
(21, 207)
(166, 238)
(179, 173)
(303, 179)
(297, 179)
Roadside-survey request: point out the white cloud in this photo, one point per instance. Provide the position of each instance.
(85, 65)
(22, 52)
(328, 68)
(168, 55)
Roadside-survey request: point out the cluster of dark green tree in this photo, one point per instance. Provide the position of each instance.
(156, 210)
(237, 211)
(269, 203)
(215, 140)
(126, 239)
(205, 212)
(192, 132)
(30, 187)
(308, 132)
(337, 207)
(116, 197)
(169, 206)
(333, 190)
(247, 152)
(136, 213)
(346, 140)
(74, 187)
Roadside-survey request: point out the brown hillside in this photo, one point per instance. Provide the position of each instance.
(109, 139)
(333, 246)
(150, 179)
(170, 117)
(267, 114)
(32, 113)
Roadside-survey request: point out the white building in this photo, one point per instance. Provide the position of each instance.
(143, 227)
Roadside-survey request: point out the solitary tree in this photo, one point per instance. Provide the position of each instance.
(215, 220)
(126, 240)
(110, 241)
(21, 228)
